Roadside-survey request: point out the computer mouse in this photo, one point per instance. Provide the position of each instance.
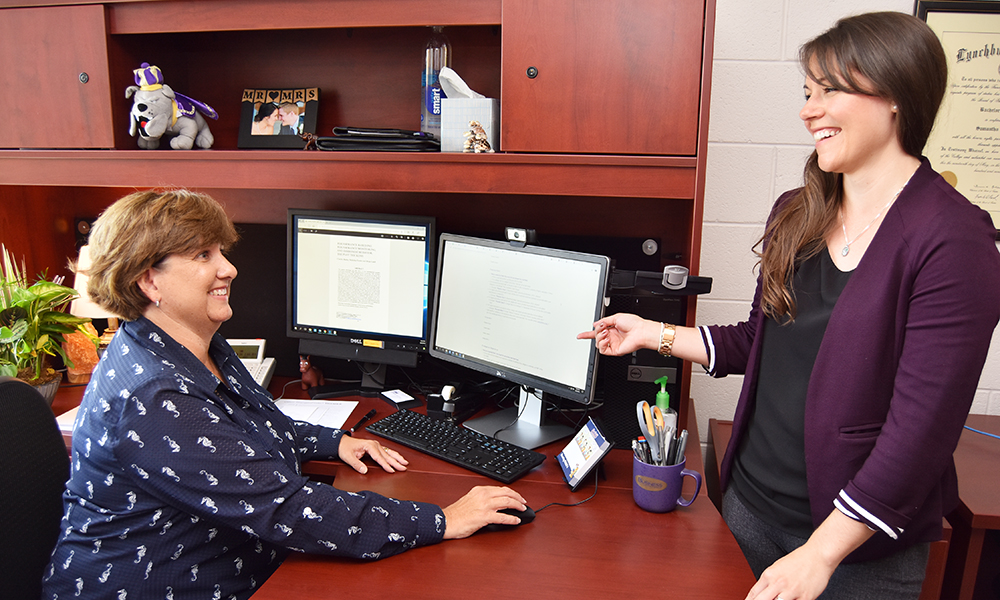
(527, 516)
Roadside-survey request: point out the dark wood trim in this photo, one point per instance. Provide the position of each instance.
(560, 175)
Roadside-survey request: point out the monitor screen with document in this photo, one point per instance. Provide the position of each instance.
(513, 311)
(359, 288)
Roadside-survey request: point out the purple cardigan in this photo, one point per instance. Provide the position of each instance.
(897, 368)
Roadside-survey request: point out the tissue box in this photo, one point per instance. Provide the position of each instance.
(456, 114)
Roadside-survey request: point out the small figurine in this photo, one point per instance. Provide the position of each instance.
(476, 139)
(311, 376)
(310, 139)
(157, 111)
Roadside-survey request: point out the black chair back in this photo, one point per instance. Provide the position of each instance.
(34, 467)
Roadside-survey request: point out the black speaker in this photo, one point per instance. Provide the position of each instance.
(258, 294)
(624, 381)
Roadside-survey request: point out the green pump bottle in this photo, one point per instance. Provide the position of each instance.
(663, 402)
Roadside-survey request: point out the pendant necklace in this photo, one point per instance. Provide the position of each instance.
(847, 242)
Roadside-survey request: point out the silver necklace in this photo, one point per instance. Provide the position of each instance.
(847, 242)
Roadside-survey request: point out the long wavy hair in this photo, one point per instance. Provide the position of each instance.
(889, 55)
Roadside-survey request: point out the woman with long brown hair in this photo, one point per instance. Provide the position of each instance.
(877, 295)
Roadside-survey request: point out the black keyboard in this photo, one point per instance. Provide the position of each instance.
(482, 454)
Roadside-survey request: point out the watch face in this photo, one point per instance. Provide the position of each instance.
(246, 352)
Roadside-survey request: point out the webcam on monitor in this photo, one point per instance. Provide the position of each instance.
(519, 236)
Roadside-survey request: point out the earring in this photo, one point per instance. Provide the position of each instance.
(895, 108)
(157, 303)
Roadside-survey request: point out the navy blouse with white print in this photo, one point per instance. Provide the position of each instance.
(185, 487)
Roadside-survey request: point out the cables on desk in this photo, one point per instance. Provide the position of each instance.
(520, 410)
(596, 476)
(986, 433)
(285, 387)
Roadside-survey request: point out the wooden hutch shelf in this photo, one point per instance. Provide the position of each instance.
(560, 175)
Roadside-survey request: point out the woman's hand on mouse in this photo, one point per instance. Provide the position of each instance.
(478, 508)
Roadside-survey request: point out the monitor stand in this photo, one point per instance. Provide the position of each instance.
(371, 385)
(527, 431)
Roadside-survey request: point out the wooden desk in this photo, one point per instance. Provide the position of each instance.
(605, 547)
(977, 460)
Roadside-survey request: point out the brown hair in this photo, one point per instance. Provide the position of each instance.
(901, 60)
(141, 229)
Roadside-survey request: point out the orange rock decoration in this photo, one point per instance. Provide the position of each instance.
(82, 351)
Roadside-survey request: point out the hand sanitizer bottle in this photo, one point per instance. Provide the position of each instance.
(437, 54)
(663, 403)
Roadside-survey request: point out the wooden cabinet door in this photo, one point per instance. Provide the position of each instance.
(54, 83)
(610, 76)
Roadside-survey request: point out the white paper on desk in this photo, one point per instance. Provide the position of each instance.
(66, 420)
(328, 413)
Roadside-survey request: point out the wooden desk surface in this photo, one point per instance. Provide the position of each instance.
(977, 460)
(607, 547)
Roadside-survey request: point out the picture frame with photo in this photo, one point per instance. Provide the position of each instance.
(277, 118)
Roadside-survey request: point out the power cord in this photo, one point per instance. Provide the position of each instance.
(567, 414)
(519, 412)
(285, 387)
(986, 433)
(596, 477)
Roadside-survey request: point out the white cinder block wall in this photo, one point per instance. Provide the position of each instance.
(757, 148)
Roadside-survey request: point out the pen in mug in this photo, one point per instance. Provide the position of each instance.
(681, 444)
(643, 448)
(668, 445)
(672, 452)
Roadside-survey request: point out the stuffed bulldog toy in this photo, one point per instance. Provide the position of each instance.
(159, 111)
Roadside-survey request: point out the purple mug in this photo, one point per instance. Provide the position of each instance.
(658, 489)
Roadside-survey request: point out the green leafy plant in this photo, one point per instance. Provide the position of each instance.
(32, 322)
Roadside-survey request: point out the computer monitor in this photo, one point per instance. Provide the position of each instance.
(514, 311)
(358, 289)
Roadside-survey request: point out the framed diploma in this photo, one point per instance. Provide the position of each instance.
(965, 143)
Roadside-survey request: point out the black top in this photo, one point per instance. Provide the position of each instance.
(769, 472)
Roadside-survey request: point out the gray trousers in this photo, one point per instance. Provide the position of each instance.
(896, 577)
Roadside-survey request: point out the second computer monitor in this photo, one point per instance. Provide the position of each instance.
(514, 312)
(358, 288)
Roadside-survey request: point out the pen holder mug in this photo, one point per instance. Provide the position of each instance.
(658, 489)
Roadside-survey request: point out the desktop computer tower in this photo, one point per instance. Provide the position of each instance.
(624, 381)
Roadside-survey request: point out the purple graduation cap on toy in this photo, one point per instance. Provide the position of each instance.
(150, 78)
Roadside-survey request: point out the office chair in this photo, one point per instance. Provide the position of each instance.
(34, 467)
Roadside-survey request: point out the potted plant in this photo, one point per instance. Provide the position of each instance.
(32, 324)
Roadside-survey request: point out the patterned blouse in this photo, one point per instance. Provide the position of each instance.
(185, 487)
